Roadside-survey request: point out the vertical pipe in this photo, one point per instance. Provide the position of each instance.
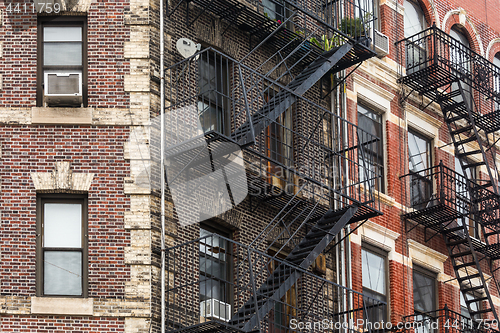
(162, 165)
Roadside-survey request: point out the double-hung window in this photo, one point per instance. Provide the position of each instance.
(419, 160)
(461, 61)
(214, 274)
(375, 284)
(62, 246)
(496, 81)
(424, 298)
(414, 23)
(213, 96)
(464, 203)
(62, 73)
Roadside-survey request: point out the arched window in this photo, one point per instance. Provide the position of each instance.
(460, 58)
(414, 18)
(414, 23)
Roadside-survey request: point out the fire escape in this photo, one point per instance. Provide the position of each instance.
(464, 207)
(317, 172)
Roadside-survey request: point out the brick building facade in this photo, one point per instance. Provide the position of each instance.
(311, 163)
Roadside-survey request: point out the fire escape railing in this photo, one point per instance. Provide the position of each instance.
(440, 200)
(433, 59)
(210, 278)
(445, 321)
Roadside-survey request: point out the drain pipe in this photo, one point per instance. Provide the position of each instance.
(347, 229)
(162, 163)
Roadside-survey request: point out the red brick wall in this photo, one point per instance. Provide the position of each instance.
(107, 66)
(90, 150)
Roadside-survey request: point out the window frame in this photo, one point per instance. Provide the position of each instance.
(214, 228)
(431, 275)
(415, 173)
(61, 21)
(217, 99)
(496, 80)
(40, 267)
(385, 255)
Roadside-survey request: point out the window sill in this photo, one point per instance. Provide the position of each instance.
(62, 306)
(61, 116)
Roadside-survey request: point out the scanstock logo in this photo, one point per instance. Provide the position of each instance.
(205, 178)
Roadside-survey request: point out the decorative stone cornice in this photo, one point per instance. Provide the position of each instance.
(62, 178)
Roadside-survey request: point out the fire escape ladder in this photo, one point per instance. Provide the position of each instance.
(283, 278)
(484, 201)
(285, 98)
(464, 126)
(468, 272)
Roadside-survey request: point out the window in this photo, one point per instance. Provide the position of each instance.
(496, 82)
(214, 271)
(372, 12)
(371, 123)
(424, 297)
(62, 247)
(278, 10)
(62, 64)
(463, 198)
(213, 93)
(460, 59)
(414, 23)
(414, 18)
(279, 140)
(375, 284)
(419, 160)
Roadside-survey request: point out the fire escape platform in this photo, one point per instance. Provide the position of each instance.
(439, 218)
(252, 20)
(277, 197)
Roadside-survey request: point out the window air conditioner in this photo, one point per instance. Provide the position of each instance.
(63, 88)
(381, 43)
(215, 309)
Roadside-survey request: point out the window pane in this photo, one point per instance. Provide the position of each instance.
(62, 225)
(210, 288)
(423, 292)
(61, 54)
(62, 34)
(373, 272)
(419, 152)
(62, 273)
(212, 267)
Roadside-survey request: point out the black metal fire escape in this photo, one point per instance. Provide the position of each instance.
(319, 205)
(458, 79)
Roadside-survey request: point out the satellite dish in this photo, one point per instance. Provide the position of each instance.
(187, 47)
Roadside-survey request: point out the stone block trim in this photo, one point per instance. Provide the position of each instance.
(62, 178)
(62, 306)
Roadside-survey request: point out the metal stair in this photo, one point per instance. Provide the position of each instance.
(436, 74)
(285, 98)
(282, 279)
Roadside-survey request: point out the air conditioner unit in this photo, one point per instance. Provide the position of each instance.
(381, 43)
(63, 88)
(215, 309)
